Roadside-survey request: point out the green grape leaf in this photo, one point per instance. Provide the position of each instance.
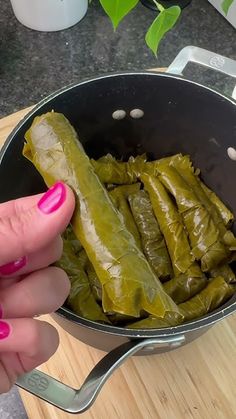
(117, 9)
(162, 24)
(226, 5)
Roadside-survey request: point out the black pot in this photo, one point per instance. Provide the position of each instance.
(179, 116)
(166, 3)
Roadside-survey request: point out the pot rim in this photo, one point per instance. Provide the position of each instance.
(203, 322)
(187, 327)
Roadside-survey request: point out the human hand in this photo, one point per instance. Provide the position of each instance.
(30, 241)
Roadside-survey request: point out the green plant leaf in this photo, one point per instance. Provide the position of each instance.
(226, 5)
(117, 9)
(162, 24)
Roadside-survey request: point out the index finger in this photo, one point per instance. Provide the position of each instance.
(33, 222)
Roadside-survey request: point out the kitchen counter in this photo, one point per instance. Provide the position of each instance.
(34, 64)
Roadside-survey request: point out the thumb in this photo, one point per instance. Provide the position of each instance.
(31, 223)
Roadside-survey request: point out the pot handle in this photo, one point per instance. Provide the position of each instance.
(203, 57)
(77, 401)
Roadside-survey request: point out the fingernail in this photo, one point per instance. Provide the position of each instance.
(1, 312)
(12, 267)
(53, 198)
(4, 330)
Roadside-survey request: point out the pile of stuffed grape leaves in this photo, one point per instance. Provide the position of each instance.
(149, 244)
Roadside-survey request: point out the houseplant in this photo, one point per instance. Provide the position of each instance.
(166, 3)
(165, 19)
(53, 15)
(226, 4)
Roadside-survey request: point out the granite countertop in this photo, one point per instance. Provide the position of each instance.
(34, 64)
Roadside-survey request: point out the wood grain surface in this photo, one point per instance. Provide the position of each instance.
(196, 381)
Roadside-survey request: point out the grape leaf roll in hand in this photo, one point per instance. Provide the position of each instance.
(129, 286)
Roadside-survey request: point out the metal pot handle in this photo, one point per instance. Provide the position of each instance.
(77, 401)
(208, 59)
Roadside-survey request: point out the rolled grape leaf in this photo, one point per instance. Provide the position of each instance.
(120, 319)
(129, 286)
(153, 242)
(225, 271)
(152, 322)
(112, 171)
(76, 248)
(204, 235)
(69, 235)
(119, 196)
(216, 293)
(212, 257)
(170, 223)
(83, 258)
(81, 299)
(220, 214)
(226, 215)
(94, 282)
(186, 285)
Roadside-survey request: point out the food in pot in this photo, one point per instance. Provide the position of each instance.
(204, 235)
(224, 270)
(171, 224)
(129, 285)
(81, 299)
(211, 297)
(136, 223)
(153, 242)
(119, 196)
(186, 285)
(95, 284)
(226, 215)
(112, 171)
(221, 216)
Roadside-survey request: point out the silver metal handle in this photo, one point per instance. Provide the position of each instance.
(206, 58)
(77, 401)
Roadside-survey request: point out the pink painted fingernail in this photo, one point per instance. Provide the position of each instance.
(53, 198)
(1, 312)
(4, 330)
(12, 267)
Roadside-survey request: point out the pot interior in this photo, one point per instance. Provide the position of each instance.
(178, 116)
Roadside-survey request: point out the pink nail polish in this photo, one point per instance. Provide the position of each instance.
(53, 198)
(4, 330)
(12, 267)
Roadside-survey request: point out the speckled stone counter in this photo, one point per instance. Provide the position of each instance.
(34, 64)
(11, 406)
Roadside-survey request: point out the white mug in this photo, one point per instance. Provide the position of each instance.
(49, 15)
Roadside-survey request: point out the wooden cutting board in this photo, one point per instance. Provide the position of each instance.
(196, 381)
